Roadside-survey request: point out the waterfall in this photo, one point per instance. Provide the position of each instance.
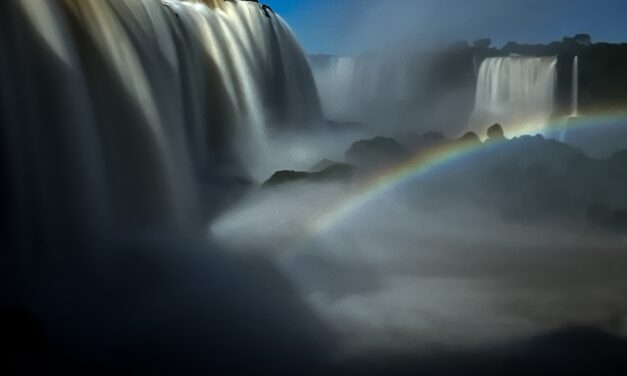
(361, 88)
(346, 85)
(518, 92)
(113, 111)
(575, 89)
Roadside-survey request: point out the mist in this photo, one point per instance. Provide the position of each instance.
(411, 271)
(424, 187)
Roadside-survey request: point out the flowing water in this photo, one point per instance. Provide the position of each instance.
(575, 89)
(112, 111)
(362, 88)
(518, 92)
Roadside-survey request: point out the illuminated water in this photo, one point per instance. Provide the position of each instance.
(112, 111)
(514, 89)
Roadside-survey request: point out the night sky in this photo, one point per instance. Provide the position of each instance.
(354, 26)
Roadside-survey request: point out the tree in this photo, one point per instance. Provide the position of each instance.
(570, 44)
(483, 43)
(511, 47)
(583, 40)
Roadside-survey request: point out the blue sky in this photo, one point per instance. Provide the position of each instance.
(353, 26)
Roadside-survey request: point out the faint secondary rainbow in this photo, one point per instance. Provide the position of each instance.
(440, 157)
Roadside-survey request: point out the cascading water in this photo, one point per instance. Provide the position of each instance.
(263, 74)
(574, 112)
(345, 85)
(112, 110)
(360, 88)
(517, 92)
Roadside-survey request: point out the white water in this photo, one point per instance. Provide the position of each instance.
(517, 92)
(112, 111)
(362, 88)
(575, 89)
(346, 85)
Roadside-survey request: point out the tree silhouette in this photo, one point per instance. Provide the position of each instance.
(483, 43)
(583, 39)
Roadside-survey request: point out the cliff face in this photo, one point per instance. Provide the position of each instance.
(603, 76)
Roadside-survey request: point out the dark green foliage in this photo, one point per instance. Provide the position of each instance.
(414, 142)
(282, 177)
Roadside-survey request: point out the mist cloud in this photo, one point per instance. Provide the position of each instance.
(396, 275)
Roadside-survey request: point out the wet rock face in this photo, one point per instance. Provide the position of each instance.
(338, 172)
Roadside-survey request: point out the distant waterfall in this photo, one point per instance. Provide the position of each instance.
(518, 92)
(111, 111)
(346, 84)
(360, 88)
(575, 89)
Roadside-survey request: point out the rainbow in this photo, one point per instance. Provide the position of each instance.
(436, 158)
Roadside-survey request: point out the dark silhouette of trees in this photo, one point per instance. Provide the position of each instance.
(482, 43)
(584, 40)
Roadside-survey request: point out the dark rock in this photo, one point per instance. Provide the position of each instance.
(375, 152)
(496, 133)
(338, 172)
(415, 142)
(470, 138)
(323, 165)
(282, 177)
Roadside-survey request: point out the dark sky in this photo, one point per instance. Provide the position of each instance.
(353, 26)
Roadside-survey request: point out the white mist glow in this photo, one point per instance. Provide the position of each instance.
(511, 90)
